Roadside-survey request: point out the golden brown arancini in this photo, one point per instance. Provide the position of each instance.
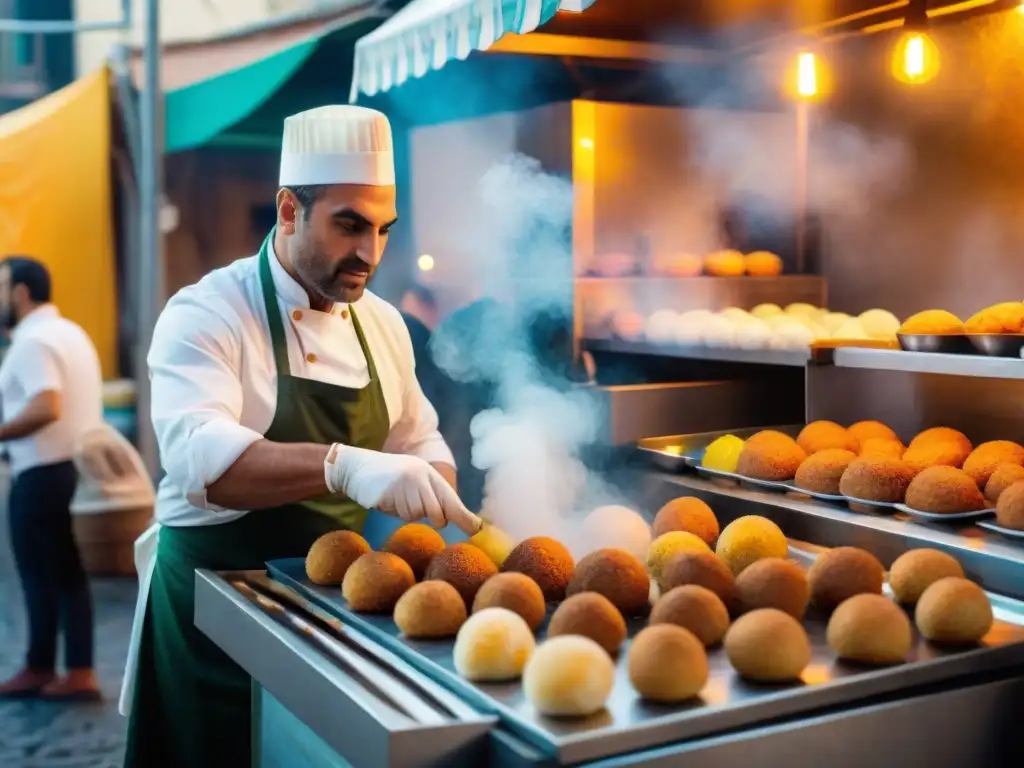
(984, 459)
(944, 490)
(1004, 476)
(821, 471)
(823, 435)
(876, 478)
(871, 430)
(770, 455)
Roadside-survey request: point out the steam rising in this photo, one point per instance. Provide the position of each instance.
(530, 443)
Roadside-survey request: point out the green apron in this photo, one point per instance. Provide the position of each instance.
(192, 703)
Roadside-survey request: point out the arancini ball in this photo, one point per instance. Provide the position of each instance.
(568, 676)
(463, 566)
(544, 560)
(590, 615)
(768, 646)
(748, 539)
(823, 435)
(515, 591)
(876, 478)
(937, 322)
(416, 544)
(944, 490)
(1002, 478)
(917, 569)
(984, 459)
(954, 611)
(617, 575)
(430, 609)
(703, 569)
(688, 514)
(872, 430)
(693, 608)
(870, 629)
(493, 646)
(667, 664)
(820, 472)
(883, 446)
(331, 556)
(935, 453)
(943, 435)
(770, 455)
(667, 546)
(839, 574)
(375, 581)
(1010, 507)
(774, 583)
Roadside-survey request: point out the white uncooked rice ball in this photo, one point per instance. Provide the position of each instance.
(569, 676)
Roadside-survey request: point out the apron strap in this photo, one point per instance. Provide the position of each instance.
(277, 338)
(371, 366)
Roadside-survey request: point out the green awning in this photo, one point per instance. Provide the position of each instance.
(427, 34)
(199, 112)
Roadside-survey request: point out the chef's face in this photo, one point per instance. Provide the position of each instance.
(336, 243)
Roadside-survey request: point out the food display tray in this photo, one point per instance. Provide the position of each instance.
(677, 453)
(727, 702)
(1012, 533)
(951, 517)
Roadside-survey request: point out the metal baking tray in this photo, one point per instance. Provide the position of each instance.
(678, 452)
(628, 723)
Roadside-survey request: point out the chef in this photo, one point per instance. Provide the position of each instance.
(285, 405)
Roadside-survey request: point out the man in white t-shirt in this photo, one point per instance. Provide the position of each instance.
(50, 393)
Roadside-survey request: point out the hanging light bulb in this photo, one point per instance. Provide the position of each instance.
(807, 75)
(916, 57)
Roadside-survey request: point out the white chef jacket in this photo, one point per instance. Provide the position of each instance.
(214, 383)
(50, 353)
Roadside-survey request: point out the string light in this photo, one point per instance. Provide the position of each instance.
(916, 57)
(425, 262)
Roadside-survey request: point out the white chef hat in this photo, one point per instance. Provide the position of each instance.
(338, 144)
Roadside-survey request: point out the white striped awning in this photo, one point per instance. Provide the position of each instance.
(427, 34)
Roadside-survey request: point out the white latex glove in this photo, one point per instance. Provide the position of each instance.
(396, 484)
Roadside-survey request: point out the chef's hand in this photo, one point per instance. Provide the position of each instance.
(396, 484)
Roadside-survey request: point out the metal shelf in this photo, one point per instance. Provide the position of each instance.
(785, 357)
(978, 366)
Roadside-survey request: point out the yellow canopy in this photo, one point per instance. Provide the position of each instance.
(55, 202)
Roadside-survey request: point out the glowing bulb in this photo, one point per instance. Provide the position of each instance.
(916, 59)
(807, 75)
(425, 262)
(586, 143)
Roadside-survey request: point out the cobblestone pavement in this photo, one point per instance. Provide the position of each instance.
(35, 734)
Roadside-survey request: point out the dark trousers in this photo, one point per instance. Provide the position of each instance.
(52, 577)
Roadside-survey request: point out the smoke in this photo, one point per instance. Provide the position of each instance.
(529, 443)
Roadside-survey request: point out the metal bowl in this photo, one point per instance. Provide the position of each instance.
(946, 343)
(998, 344)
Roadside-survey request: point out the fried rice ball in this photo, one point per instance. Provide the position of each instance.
(1007, 317)
(932, 322)
(1004, 476)
(943, 435)
(871, 430)
(821, 471)
(884, 446)
(770, 455)
(984, 459)
(1010, 507)
(944, 490)
(823, 435)
(876, 478)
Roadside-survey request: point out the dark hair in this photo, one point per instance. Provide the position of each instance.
(423, 294)
(307, 195)
(32, 274)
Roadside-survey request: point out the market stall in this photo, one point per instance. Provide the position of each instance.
(848, 468)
